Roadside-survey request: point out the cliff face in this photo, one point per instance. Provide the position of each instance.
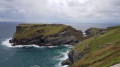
(100, 51)
(45, 35)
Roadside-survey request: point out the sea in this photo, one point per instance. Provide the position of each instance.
(35, 56)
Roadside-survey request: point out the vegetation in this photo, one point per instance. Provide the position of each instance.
(92, 28)
(114, 27)
(33, 30)
(45, 35)
(103, 51)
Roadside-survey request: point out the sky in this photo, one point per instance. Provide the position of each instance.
(55, 11)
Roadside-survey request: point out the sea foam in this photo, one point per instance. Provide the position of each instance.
(65, 56)
(7, 44)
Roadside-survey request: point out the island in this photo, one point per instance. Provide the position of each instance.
(46, 35)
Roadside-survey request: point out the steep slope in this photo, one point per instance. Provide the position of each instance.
(45, 35)
(99, 51)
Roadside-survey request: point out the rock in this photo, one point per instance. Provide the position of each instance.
(46, 35)
(94, 32)
(109, 44)
(103, 46)
(65, 62)
(73, 56)
(117, 65)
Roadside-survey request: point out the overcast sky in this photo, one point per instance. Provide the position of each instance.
(60, 10)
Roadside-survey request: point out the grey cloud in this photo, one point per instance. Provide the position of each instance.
(56, 10)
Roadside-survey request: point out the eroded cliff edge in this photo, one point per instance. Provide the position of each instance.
(46, 35)
(100, 49)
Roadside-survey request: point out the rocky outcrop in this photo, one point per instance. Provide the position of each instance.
(66, 62)
(74, 55)
(45, 35)
(94, 32)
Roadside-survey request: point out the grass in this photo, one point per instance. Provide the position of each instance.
(32, 30)
(100, 57)
(92, 28)
(114, 27)
(29, 31)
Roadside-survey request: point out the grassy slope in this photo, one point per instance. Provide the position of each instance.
(100, 57)
(29, 31)
(92, 28)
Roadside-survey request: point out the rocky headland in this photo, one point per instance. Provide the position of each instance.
(101, 48)
(46, 35)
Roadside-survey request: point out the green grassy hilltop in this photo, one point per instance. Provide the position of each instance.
(31, 30)
(46, 35)
(101, 50)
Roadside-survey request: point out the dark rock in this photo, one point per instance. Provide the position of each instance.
(94, 32)
(65, 62)
(75, 55)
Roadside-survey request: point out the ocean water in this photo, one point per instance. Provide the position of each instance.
(34, 56)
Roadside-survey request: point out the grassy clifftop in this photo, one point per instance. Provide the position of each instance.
(46, 35)
(32, 30)
(101, 50)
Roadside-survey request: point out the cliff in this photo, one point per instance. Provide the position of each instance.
(45, 35)
(100, 51)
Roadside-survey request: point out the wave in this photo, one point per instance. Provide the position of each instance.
(7, 44)
(65, 56)
(35, 66)
(62, 53)
(51, 46)
(70, 46)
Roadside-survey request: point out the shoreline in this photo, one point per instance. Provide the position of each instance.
(6, 43)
